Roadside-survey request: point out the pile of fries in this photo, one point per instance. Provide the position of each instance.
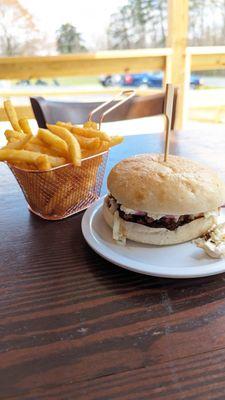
(58, 145)
(57, 193)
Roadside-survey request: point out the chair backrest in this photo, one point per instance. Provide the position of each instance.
(77, 112)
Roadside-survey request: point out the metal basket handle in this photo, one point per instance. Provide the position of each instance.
(128, 95)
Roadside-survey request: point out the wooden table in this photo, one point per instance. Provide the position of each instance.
(74, 326)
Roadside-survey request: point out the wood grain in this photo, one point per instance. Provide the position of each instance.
(74, 326)
(196, 377)
(180, 65)
(208, 61)
(78, 64)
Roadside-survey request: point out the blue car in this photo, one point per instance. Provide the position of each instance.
(142, 80)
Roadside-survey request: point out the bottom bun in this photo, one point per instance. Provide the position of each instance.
(161, 236)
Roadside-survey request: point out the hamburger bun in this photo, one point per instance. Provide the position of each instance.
(178, 186)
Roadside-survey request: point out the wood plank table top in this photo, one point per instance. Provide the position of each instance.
(73, 326)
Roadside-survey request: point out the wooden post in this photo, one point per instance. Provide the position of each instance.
(167, 71)
(180, 63)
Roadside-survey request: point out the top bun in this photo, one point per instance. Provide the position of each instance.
(178, 186)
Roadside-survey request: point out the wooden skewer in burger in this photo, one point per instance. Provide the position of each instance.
(162, 199)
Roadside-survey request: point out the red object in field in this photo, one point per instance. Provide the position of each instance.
(128, 79)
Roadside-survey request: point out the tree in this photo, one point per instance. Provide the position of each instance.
(119, 30)
(18, 33)
(69, 40)
(143, 23)
(206, 22)
(138, 24)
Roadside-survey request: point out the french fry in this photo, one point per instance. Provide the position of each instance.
(19, 144)
(104, 146)
(37, 148)
(36, 143)
(13, 136)
(43, 162)
(12, 155)
(86, 175)
(66, 195)
(12, 140)
(88, 143)
(115, 140)
(12, 116)
(56, 161)
(89, 130)
(73, 144)
(86, 153)
(25, 165)
(49, 138)
(90, 124)
(74, 197)
(57, 199)
(24, 125)
(90, 133)
(66, 125)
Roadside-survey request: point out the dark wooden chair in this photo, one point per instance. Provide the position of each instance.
(77, 112)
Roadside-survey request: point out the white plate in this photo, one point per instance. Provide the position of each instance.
(178, 261)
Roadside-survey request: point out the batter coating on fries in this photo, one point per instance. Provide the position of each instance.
(60, 144)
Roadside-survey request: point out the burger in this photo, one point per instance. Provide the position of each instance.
(162, 203)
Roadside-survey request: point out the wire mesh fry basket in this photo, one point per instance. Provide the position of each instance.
(66, 190)
(62, 191)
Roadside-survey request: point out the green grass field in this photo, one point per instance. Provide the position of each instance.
(78, 80)
(67, 81)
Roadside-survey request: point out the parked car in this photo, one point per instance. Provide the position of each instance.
(142, 80)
